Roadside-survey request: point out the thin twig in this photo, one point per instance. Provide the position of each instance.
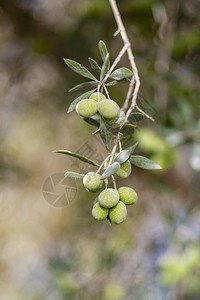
(126, 41)
(146, 115)
(116, 61)
(114, 182)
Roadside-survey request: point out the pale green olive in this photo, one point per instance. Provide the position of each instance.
(124, 170)
(118, 213)
(86, 108)
(92, 182)
(98, 96)
(108, 109)
(108, 198)
(99, 213)
(127, 195)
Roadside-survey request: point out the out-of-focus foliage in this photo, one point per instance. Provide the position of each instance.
(62, 253)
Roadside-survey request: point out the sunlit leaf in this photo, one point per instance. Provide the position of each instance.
(110, 170)
(78, 99)
(125, 154)
(76, 67)
(121, 118)
(94, 65)
(105, 134)
(74, 176)
(121, 73)
(80, 157)
(105, 67)
(144, 163)
(85, 85)
(103, 50)
(135, 117)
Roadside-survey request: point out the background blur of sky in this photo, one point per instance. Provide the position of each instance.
(57, 253)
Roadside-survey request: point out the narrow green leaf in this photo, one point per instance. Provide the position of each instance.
(144, 163)
(78, 99)
(84, 85)
(127, 142)
(110, 170)
(80, 157)
(105, 67)
(105, 134)
(125, 154)
(94, 65)
(127, 129)
(103, 50)
(76, 67)
(135, 117)
(121, 73)
(74, 176)
(91, 121)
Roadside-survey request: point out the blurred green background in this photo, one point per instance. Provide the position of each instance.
(57, 253)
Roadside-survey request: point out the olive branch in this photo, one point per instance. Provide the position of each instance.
(115, 126)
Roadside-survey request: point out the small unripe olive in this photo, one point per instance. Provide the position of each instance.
(108, 109)
(99, 213)
(118, 213)
(127, 195)
(92, 182)
(108, 198)
(98, 96)
(86, 108)
(124, 170)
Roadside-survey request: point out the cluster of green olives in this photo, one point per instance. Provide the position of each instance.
(111, 203)
(97, 103)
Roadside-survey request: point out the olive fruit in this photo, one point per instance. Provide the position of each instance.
(99, 213)
(108, 198)
(92, 182)
(127, 195)
(124, 170)
(118, 213)
(109, 110)
(86, 108)
(98, 96)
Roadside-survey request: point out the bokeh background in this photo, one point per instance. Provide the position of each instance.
(56, 253)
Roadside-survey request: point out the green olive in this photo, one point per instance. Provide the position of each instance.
(92, 182)
(86, 108)
(118, 213)
(108, 198)
(124, 170)
(127, 195)
(98, 96)
(109, 110)
(99, 213)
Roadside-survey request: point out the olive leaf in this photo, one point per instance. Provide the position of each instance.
(105, 134)
(127, 129)
(144, 163)
(110, 170)
(74, 175)
(80, 157)
(103, 50)
(124, 155)
(94, 65)
(135, 117)
(105, 67)
(91, 121)
(84, 85)
(121, 73)
(76, 67)
(78, 99)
